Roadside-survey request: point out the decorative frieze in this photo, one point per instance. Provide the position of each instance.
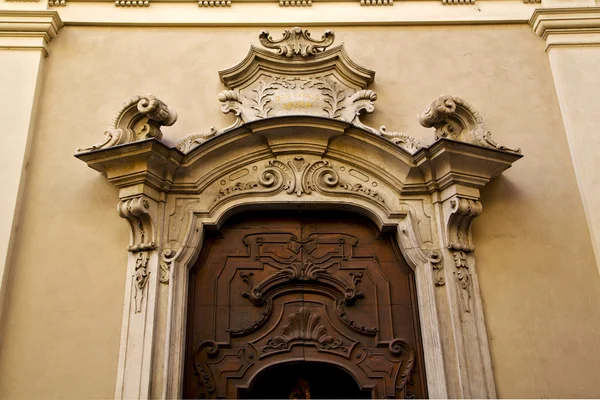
(532, 1)
(216, 3)
(456, 2)
(57, 3)
(132, 3)
(376, 2)
(295, 3)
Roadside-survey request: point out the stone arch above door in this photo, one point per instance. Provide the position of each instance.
(307, 159)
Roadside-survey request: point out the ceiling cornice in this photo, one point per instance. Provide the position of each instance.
(576, 26)
(28, 30)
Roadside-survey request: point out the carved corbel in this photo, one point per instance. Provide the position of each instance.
(297, 41)
(139, 118)
(462, 212)
(454, 118)
(138, 212)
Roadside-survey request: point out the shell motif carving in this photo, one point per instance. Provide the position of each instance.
(304, 326)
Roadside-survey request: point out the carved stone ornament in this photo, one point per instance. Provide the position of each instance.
(138, 118)
(297, 42)
(303, 77)
(298, 144)
(454, 118)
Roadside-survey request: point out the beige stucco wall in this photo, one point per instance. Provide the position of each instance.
(538, 276)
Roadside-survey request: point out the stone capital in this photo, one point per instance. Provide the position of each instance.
(28, 30)
(573, 26)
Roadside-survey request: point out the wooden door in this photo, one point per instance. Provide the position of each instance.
(276, 288)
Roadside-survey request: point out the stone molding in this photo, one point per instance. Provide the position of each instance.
(28, 30)
(576, 26)
(428, 195)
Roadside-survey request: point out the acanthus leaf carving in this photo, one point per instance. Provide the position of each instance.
(403, 140)
(399, 347)
(140, 278)
(304, 326)
(206, 382)
(139, 118)
(193, 140)
(454, 118)
(297, 42)
(463, 279)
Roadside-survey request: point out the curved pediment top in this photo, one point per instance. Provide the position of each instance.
(263, 62)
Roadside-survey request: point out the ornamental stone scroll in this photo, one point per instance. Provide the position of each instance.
(297, 142)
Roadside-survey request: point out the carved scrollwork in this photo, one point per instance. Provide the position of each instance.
(463, 280)
(137, 211)
(454, 118)
(339, 308)
(298, 177)
(462, 212)
(166, 260)
(141, 117)
(303, 271)
(203, 374)
(399, 347)
(403, 140)
(304, 326)
(435, 259)
(140, 278)
(297, 41)
(256, 324)
(193, 140)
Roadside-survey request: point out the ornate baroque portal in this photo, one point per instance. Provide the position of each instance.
(297, 142)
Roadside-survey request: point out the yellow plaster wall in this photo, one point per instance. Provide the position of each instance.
(538, 275)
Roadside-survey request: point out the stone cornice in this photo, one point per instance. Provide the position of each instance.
(28, 30)
(577, 26)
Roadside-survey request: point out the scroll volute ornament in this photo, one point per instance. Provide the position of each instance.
(454, 118)
(297, 41)
(141, 117)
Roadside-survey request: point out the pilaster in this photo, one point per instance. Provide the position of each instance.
(24, 36)
(573, 44)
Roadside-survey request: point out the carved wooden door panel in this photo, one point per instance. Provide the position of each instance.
(291, 287)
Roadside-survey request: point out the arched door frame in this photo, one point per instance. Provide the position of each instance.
(429, 198)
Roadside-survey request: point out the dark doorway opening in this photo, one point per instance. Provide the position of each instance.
(304, 380)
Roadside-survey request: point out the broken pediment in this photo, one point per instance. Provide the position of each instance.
(299, 76)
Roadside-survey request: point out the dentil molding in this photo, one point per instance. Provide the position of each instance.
(576, 26)
(28, 30)
(297, 141)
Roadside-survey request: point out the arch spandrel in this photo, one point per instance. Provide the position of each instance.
(307, 156)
